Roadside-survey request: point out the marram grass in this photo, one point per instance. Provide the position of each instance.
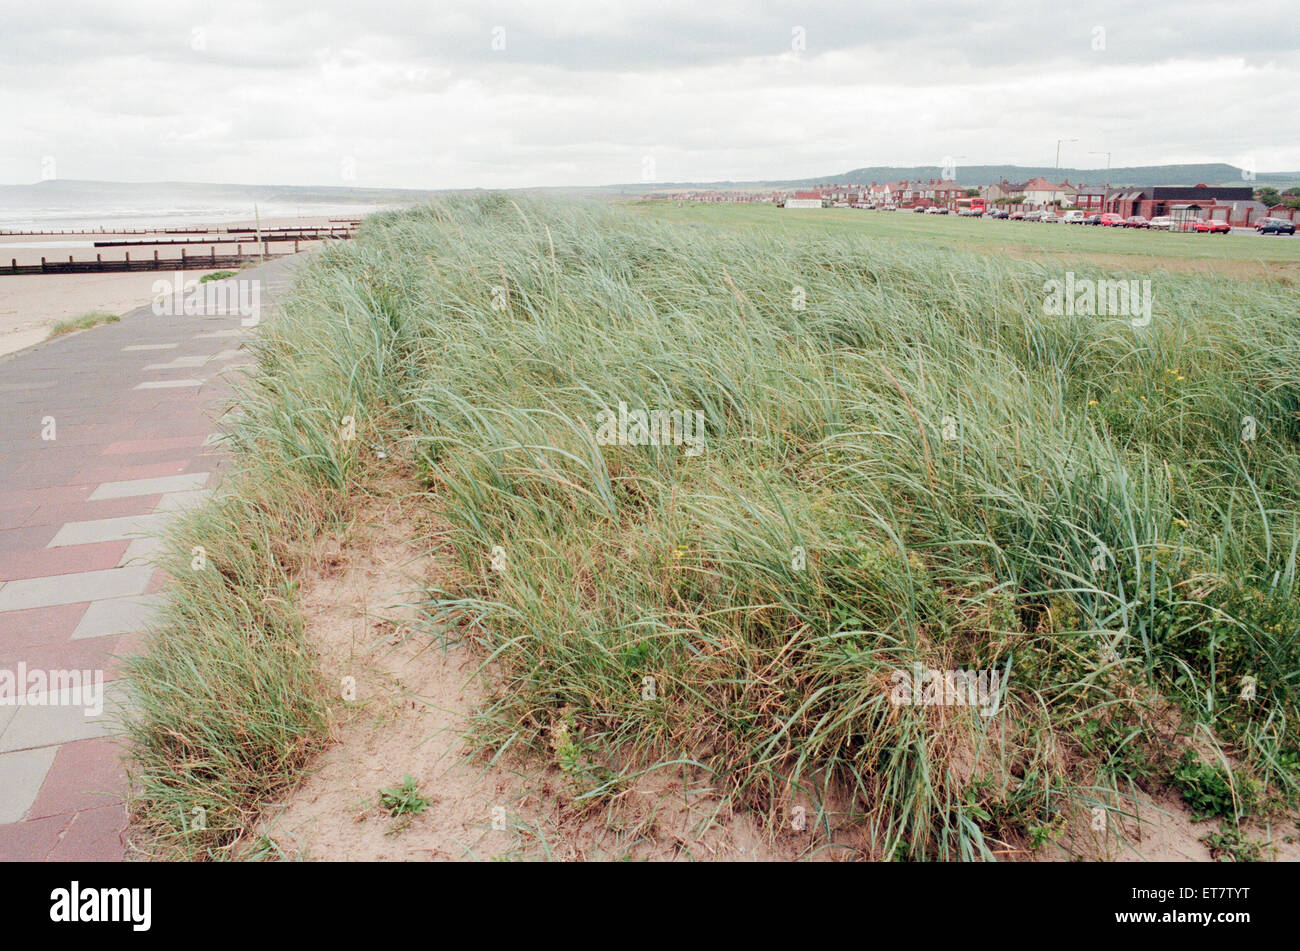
(906, 463)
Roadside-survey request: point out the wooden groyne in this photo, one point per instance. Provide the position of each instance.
(240, 237)
(205, 262)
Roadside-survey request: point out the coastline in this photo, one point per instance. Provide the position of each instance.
(31, 304)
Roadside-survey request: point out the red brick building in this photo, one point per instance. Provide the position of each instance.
(1216, 201)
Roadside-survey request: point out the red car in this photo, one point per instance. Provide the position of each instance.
(1112, 220)
(1136, 221)
(1208, 226)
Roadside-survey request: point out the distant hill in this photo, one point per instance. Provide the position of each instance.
(973, 175)
(1140, 176)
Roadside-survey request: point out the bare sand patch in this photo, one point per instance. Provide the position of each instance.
(414, 699)
(31, 304)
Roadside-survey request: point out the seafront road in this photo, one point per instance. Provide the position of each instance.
(103, 434)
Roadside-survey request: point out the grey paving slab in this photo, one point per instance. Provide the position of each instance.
(21, 775)
(142, 551)
(73, 588)
(130, 615)
(109, 529)
(179, 363)
(159, 486)
(168, 384)
(63, 717)
(180, 501)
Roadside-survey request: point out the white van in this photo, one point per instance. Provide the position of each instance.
(1074, 217)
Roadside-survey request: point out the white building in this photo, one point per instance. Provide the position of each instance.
(1039, 191)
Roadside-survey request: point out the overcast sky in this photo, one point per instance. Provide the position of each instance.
(450, 94)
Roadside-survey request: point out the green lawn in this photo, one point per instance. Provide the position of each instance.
(983, 234)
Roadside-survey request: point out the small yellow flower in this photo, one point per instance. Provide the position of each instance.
(1092, 402)
(1181, 522)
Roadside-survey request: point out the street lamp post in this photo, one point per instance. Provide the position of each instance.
(1058, 149)
(1107, 154)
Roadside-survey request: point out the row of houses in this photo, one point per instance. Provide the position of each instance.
(1232, 203)
(934, 191)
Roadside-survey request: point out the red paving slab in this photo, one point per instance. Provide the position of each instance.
(56, 495)
(93, 835)
(144, 458)
(92, 653)
(52, 625)
(69, 436)
(15, 518)
(85, 774)
(83, 475)
(23, 539)
(32, 840)
(60, 515)
(157, 445)
(64, 560)
(152, 470)
(158, 582)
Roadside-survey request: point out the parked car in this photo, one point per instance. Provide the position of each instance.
(1211, 226)
(970, 213)
(1136, 221)
(1161, 223)
(1275, 226)
(919, 209)
(1033, 216)
(1000, 215)
(1074, 217)
(1111, 220)
(1092, 220)
(1050, 217)
(1017, 216)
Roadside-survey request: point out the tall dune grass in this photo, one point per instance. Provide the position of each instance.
(906, 463)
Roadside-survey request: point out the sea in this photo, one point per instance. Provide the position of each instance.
(67, 205)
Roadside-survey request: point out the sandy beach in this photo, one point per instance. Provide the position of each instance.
(31, 304)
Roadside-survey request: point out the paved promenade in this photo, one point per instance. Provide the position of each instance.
(103, 434)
